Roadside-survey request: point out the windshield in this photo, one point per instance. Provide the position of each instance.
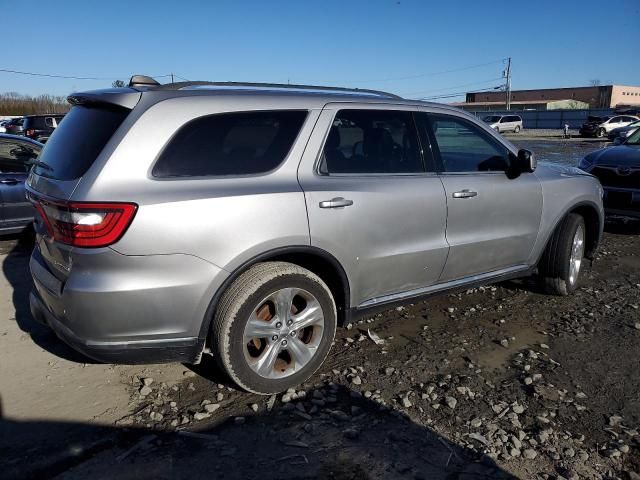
(492, 118)
(78, 141)
(633, 139)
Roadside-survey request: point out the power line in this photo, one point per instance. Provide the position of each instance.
(420, 75)
(481, 82)
(68, 77)
(459, 94)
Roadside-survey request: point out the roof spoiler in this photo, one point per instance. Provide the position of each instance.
(119, 97)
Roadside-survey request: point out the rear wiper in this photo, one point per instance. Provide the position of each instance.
(44, 165)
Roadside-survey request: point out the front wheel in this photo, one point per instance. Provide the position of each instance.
(517, 129)
(274, 327)
(601, 132)
(561, 262)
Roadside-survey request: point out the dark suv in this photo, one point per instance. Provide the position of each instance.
(40, 127)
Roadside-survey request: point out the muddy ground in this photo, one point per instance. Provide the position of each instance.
(496, 382)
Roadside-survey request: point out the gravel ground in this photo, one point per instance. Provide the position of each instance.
(494, 382)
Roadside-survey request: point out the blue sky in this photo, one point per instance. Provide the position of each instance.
(401, 46)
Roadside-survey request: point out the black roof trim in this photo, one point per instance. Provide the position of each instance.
(181, 85)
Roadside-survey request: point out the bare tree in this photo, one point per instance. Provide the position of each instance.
(595, 82)
(118, 84)
(13, 103)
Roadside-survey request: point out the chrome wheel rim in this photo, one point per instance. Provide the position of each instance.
(577, 252)
(283, 333)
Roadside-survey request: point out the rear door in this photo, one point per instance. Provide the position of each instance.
(372, 202)
(492, 220)
(16, 158)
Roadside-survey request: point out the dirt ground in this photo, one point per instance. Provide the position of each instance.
(495, 382)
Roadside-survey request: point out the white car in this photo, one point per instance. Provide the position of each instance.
(2, 129)
(504, 123)
(601, 126)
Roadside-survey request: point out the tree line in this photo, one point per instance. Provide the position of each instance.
(17, 104)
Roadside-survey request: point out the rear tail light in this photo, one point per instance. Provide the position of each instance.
(85, 224)
(29, 132)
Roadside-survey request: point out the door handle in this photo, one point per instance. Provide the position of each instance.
(336, 203)
(464, 194)
(9, 181)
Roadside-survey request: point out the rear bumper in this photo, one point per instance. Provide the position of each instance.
(184, 350)
(121, 309)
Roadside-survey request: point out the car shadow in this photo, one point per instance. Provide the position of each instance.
(355, 439)
(15, 268)
(622, 226)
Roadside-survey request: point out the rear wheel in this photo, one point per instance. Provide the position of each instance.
(601, 132)
(517, 129)
(562, 260)
(274, 327)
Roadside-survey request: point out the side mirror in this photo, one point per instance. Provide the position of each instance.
(618, 141)
(526, 162)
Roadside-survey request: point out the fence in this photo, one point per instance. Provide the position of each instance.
(552, 119)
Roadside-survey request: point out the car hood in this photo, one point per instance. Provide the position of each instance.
(618, 155)
(557, 170)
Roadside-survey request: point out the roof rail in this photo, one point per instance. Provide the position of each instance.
(180, 85)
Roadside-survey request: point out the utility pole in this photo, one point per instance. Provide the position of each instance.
(172, 78)
(507, 74)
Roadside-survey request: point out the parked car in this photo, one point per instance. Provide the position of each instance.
(17, 155)
(623, 132)
(2, 123)
(40, 127)
(504, 123)
(14, 126)
(600, 126)
(618, 169)
(249, 221)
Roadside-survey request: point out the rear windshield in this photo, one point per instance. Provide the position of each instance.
(77, 142)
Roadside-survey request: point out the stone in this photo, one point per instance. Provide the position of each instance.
(528, 381)
(254, 407)
(517, 408)
(219, 397)
(211, 407)
(504, 342)
(406, 403)
(451, 402)
(356, 380)
(529, 454)
(201, 416)
(476, 422)
(145, 390)
(544, 346)
(389, 370)
(614, 420)
(147, 381)
(287, 397)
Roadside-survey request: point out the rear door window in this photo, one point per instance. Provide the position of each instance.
(75, 145)
(239, 143)
(17, 157)
(372, 142)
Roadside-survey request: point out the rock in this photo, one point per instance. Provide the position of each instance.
(624, 448)
(211, 407)
(637, 326)
(528, 381)
(351, 433)
(504, 342)
(271, 402)
(254, 407)
(514, 452)
(451, 402)
(614, 420)
(147, 381)
(286, 398)
(145, 390)
(219, 397)
(389, 370)
(476, 423)
(517, 408)
(356, 380)
(173, 404)
(174, 423)
(544, 346)
(406, 403)
(201, 416)
(569, 452)
(189, 373)
(515, 441)
(529, 454)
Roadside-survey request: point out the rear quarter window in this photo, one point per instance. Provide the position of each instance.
(77, 142)
(239, 143)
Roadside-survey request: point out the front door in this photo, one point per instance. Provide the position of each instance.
(492, 220)
(373, 203)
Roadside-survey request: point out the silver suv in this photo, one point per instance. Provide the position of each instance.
(248, 221)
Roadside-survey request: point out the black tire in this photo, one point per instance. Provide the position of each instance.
(237, 304)
(517, 129)
(554, 267)
(601, 132)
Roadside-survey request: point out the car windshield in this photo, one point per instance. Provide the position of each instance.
(633, 139)
(492, 118)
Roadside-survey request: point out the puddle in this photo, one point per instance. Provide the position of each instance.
(497, 357)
